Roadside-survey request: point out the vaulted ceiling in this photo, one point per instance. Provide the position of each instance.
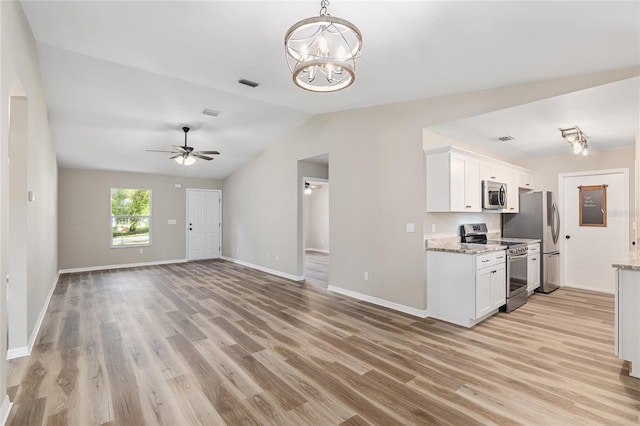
(123, 77)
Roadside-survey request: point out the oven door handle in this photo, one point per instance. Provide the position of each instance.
(512, 257)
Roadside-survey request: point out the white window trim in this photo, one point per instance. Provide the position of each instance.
(111, 216)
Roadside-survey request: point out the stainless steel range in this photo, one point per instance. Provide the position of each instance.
(476, 233)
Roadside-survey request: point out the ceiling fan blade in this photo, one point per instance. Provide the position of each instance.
(181, 148)
(175, 156)
(209, 152)
(157, 150)
(204, 157)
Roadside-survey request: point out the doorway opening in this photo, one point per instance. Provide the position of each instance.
(314, 220)
(316, 231)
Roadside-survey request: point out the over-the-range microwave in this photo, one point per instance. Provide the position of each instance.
(494, 195)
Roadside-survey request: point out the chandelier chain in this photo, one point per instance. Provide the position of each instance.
(323, 7)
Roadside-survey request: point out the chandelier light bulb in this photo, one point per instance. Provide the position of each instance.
(585, 151)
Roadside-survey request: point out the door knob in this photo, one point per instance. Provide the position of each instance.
(567, 236)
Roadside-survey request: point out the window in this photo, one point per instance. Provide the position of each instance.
(130, 217)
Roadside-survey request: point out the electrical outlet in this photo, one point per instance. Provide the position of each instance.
(141, 251)
(277, 257)
(366, 276)
(433, 227)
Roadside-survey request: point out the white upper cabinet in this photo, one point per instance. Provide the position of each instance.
(455, 175)
(495, 172)
(525, 180)
(453, 183)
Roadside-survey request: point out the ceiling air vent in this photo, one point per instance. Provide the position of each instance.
(506, 138)
(248, 82)
(211, 112)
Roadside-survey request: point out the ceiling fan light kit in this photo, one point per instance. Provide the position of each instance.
(321, 52)
(577, 139)
(184, 154)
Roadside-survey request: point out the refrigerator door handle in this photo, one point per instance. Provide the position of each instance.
(555, 224)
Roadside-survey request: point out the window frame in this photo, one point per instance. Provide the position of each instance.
(113, 217)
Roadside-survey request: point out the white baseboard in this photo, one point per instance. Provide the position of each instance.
(317, 249)
(18, 352)
(263, 269)
(5, 410)
(422, 313)
(124, 265)
(26, 350)
(597, 290)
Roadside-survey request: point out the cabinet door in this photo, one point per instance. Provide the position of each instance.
(513, 200)
(465, 184)
(498, 286)
(457, 185)
(533, 272)
(472, 186)
(525, 180)
(483, 291)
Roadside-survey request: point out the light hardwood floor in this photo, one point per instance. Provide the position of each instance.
(316, 268)
(212, 343)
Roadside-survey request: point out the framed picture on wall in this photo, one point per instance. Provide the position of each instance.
(593, 205)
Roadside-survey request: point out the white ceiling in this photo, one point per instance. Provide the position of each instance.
(609, 115)
(123, 77)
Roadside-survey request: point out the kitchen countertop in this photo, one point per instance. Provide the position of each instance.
(632, 261)
(518, 240)
(453, 245)
(463, 248)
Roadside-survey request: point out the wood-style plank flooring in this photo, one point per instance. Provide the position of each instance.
(213, 343)
(316, 268)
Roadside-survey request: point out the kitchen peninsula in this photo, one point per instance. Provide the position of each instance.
(628, 311)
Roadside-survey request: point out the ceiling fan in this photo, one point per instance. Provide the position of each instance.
(184, 154)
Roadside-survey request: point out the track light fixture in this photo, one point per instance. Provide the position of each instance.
(577, 139)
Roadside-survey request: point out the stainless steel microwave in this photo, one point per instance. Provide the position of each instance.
(494, 195)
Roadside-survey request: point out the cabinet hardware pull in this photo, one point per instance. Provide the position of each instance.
(467, 207)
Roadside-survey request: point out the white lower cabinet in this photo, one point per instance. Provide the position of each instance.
(465, 289)
(491, 289)
(533, 268)
(627, 318)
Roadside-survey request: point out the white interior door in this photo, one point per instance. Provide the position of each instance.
(204, 224)
(589, 251)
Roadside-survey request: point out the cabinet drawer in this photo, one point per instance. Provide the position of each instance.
(534, 249)
(490, 259)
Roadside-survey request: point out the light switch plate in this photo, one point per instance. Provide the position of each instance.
(171, 221)
(410, 227)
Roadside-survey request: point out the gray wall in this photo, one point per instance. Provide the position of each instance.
(18, 167)
(20, 76)
(85, 209)
(377, 185)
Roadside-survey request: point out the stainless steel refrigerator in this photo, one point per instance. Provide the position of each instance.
(538, 218)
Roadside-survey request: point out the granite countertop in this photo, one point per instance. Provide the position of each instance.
(518, 240)
(631, 261)
(463, 248)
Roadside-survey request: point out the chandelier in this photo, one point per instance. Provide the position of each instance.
(321, 52)
(577, 139)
